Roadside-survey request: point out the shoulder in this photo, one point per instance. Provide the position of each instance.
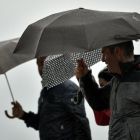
(66, 87)
(69, 86)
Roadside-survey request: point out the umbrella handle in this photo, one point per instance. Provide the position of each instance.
(78, 98)
(11, 117)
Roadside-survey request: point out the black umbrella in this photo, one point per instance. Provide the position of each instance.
(78, 30)
(8, 60)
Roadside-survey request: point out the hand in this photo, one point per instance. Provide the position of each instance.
(17, 110)
(82, 68)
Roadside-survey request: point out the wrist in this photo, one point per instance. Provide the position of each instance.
(21, 115)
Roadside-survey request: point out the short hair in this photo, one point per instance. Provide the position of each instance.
(105, 75)
(127, 47)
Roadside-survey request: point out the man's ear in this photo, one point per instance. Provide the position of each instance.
(117, 52)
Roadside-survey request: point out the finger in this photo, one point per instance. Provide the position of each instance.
(79, 72)
(15, 109)
(18, 105)
(15, 113)
(80, 68)
(79, 62)
(13, 103)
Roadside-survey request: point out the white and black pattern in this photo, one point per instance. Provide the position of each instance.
(56, 70)
(59, 68)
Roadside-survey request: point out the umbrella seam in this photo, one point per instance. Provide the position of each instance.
(49, 25)
(130, 25)
(85, 32)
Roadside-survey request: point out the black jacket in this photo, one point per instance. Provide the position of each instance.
(58, 117)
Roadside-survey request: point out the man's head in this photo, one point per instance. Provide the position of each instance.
(112, 55)
(40, 62)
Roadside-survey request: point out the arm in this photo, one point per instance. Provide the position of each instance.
(107, 112)
(31, 119)
(98, 98)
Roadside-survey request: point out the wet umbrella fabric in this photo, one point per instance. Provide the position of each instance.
(8, 60)
(78, 30)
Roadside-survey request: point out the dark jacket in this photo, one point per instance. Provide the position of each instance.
(58, 117)
(122, 95)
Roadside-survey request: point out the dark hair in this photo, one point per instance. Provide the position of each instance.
(105, 75)
(127, 47)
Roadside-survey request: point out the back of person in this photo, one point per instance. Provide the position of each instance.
(60, 118)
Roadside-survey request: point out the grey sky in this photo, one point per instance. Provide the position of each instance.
(15, 16)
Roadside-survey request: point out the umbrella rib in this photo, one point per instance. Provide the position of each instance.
(130, 24)
(48, 25)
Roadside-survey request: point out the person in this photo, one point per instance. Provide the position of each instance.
(103, 117)
(58, 118)
(121, 94)
(104, 77)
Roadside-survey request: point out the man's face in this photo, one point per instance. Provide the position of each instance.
(110, 59)
(40, 62)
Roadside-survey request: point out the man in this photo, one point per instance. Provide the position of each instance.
(58, 118)
(121, 94)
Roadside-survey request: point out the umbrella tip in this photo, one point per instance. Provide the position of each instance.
(81, 8)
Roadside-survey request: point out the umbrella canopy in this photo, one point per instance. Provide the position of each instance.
(8, 60)
(78, 30)
(59, 68)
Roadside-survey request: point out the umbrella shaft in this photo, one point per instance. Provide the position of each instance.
(9, 87)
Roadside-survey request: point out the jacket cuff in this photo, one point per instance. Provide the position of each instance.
(87, 76)
(25, 115)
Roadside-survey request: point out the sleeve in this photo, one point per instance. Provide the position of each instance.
(98, 98)
(31, 120)
(107, 112)
(82, 129)
(101, 117)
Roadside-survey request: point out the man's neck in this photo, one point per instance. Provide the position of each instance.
(125, 60)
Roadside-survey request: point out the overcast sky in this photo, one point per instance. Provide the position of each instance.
(15, 16)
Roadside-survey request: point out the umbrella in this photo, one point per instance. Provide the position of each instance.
(8, 60)
(78, 30)
(58, 68)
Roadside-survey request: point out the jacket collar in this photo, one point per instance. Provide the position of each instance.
(125, 67)
(128, 66)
